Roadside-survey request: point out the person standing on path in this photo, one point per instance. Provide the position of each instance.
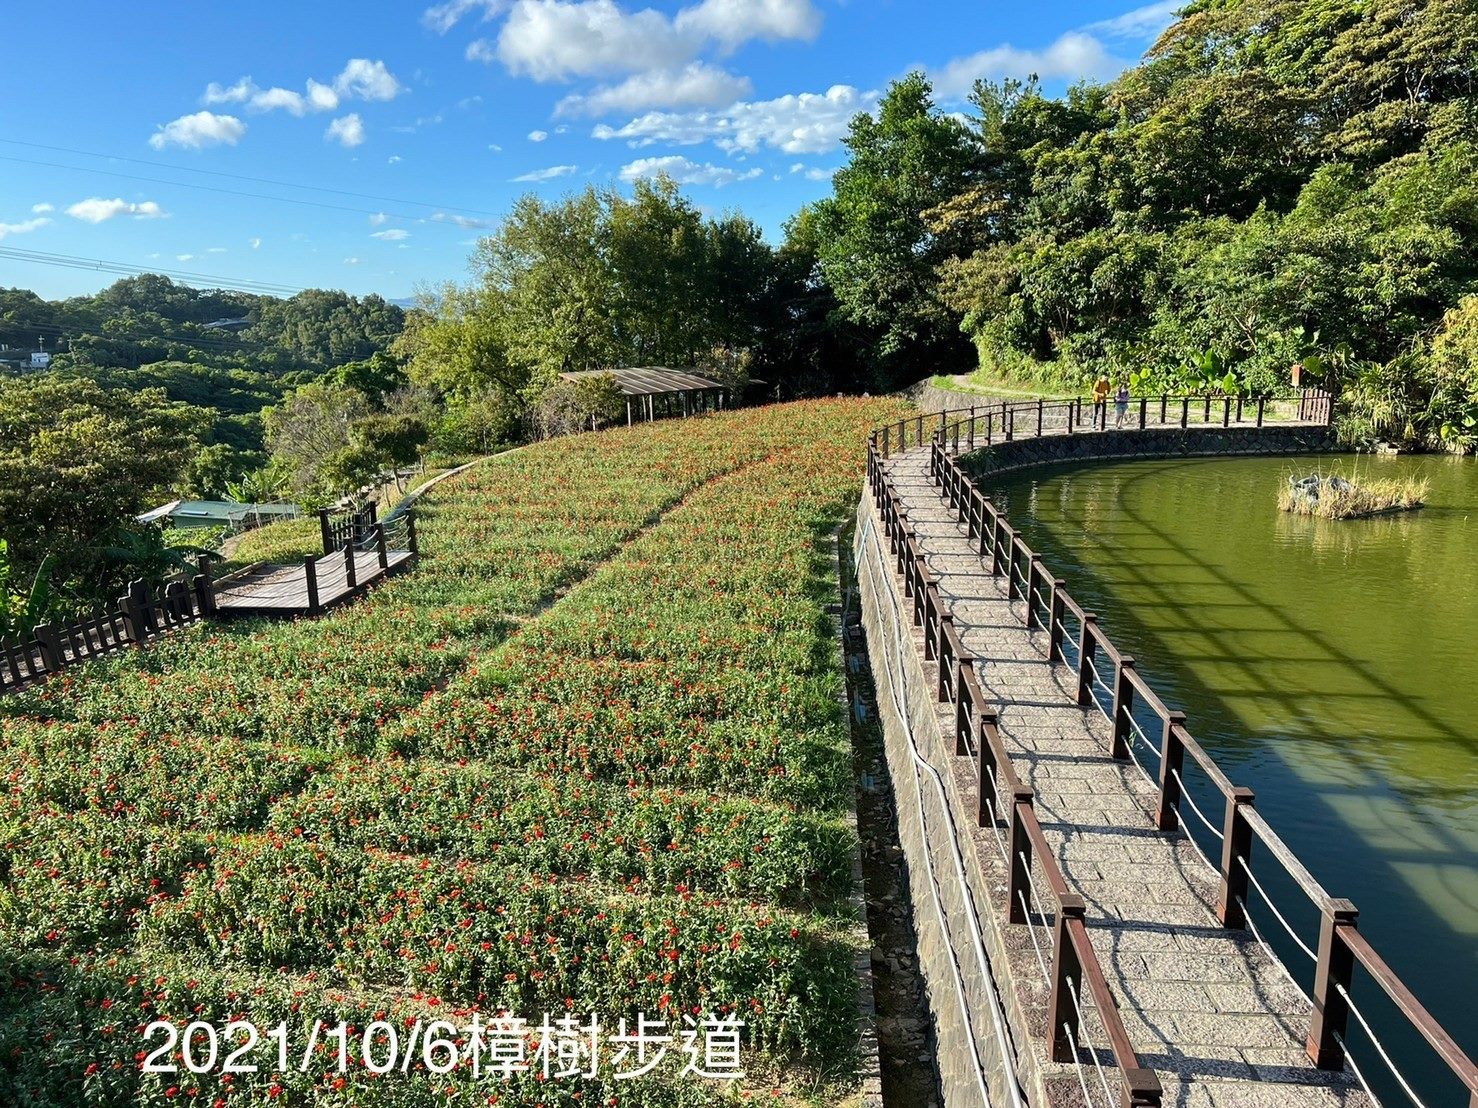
(1121, 404)
(1100, 402)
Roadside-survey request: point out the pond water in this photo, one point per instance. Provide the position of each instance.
(1330, 666)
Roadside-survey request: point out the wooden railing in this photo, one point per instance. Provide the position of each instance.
(1075, 639)
(335, 574)
(351, 528)
(138, 616)
(987, 423)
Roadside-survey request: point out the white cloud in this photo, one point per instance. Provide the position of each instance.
(552, 40)
(1072, 57)
(273, 98)
(216, 250)
(256, 244)
(322, 97)
(394, 159)
(696, 85)
(184, 257)
(810, 173)
(547, 174)
(495, 148)
(378, 219)
(197, 130)
(462, 221)
(807, 123)
(95, 209)
(351, 261)
(538, 136)
(363, 79)
(686, 172)
(41, 209)
(24, 227)
(443, 17)
(731, 23)
(347, 130)
(239, 93)
(1141, 23)
(394, 234)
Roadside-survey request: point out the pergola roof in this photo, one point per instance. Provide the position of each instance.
(649, 380)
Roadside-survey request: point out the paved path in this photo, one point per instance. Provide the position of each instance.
(1204, 1006)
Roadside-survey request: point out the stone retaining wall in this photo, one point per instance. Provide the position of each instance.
(1192, 442)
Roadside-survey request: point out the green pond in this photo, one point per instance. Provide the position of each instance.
(1331, 666)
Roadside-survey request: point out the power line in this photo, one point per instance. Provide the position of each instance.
(199, 280)
(245, 177)
(451, 221)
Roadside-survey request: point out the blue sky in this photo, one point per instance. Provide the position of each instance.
(436, 118)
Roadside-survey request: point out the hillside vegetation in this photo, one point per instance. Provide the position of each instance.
(455, 798)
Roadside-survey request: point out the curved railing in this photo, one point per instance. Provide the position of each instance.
(1007, 803)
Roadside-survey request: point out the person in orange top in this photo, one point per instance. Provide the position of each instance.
(1100, 402)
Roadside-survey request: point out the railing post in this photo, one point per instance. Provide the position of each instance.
(325, 531)
(351, 571)
(1206, 410)
(380, 549)
(1239, 407)
(1172, 765)
(1039, 417)
(1056, 613)
(52, 656)
(989, 801)
(410, 533)
(887, 442)
(1010, 423)
(1185, 411)
(204, 598)
(1261, 401)
(1236, 844)
(1164, 400)
(970, 436)
(1086, 644)
(1123, 706)
(310, 576)
(1226, 411)
(1020, 847)
(1334, 971)
(995, 557)
(1033, 572)
(964, 705)
(1143, 412)
(1067, 975)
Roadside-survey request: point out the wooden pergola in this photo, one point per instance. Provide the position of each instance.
(654, 392)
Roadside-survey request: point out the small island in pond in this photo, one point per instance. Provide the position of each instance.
(1334, 497)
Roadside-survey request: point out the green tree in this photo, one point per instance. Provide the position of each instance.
(77, 462)
(877, 252)
(310, 427)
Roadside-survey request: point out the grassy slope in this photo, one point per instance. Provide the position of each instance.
(629, 802)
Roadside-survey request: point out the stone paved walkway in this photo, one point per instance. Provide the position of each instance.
(1204, 1006)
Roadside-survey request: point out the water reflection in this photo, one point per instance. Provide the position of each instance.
(1329, 664)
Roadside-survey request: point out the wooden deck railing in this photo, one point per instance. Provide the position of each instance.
(1075, 639)
(137, 617)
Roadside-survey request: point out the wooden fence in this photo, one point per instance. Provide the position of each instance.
(1074, 638)
(141, 614)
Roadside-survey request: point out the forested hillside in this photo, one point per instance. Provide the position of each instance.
(1279, 180)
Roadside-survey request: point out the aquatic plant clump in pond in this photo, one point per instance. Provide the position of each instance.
(1334, 497)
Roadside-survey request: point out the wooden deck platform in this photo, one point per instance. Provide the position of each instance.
(284, 591)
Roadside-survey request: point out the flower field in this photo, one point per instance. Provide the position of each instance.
(588, 758)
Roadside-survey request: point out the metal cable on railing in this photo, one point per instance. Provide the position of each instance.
(1078, 1066)
(1359, 1076)
(1031, 930)
(1185, 794)
(1379, 1047)
(1292, 934)
(1072, 989)
(1271, 954)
